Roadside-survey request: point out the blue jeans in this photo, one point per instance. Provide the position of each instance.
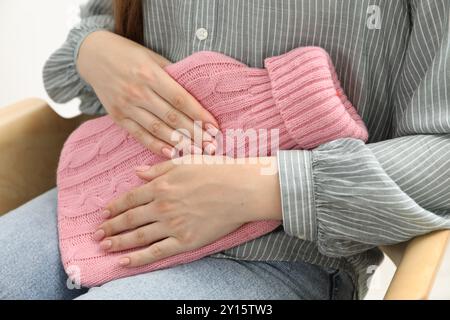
(31, 269)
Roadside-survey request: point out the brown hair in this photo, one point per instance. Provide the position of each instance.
(129, 19)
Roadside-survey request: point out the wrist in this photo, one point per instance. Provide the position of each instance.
(87, 49)
(82, 55)
(266, 184)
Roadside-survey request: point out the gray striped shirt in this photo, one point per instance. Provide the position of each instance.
(344, 199)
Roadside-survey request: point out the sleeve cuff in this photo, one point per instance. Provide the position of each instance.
(297, 194)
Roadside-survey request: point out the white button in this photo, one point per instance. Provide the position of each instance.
(202, 34)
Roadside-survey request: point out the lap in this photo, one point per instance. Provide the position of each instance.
(31, 269)
(225, 279)
(31, 264)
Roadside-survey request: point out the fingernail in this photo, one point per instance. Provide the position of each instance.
(124, 262)
(99, 235)
(143, 168)
(169, 153)
(105, 245)
(211, 129)
(106, 214)
(210, 149)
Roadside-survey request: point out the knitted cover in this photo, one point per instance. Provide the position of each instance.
(298, 93)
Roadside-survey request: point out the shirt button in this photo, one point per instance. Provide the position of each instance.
(202, 34)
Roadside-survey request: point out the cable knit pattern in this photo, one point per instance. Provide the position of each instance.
(298, 93)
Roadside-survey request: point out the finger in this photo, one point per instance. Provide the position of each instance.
(161, 131)
(181, 99)
(139, 238)
(156, 171)
(146, 139)
(132, 199)
(156, 252)
(175, 119)
(130, 220)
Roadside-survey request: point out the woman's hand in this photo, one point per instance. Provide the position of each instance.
(186, 206)
(140, 96)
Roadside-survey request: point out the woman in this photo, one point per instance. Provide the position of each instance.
(337, 203)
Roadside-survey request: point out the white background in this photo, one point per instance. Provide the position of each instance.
(31, 30)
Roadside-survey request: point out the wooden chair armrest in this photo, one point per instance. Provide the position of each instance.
(416, 272)
(31, 138)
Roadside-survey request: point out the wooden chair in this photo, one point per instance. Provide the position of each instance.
(31, 138)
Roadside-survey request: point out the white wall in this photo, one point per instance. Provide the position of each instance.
(29, 32)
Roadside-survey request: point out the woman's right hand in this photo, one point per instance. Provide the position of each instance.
(139, 95)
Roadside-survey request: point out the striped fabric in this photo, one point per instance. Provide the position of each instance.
(345, 198)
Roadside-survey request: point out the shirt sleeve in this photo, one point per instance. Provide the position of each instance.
(349, 197)
(61, 79)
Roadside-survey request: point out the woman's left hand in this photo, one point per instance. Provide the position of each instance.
(187, 204)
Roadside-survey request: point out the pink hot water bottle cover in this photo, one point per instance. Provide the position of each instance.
(298, 94)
